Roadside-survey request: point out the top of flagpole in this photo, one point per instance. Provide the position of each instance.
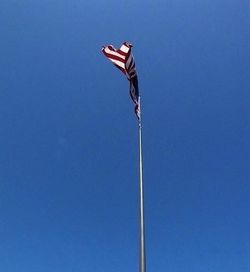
(139, 111)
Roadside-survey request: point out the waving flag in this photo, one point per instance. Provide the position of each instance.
(123, 59)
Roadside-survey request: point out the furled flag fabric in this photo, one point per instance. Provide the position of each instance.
(123, 59)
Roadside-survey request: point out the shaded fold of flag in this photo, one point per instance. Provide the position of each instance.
(123, 59)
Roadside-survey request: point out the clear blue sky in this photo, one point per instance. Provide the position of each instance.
(68, 135)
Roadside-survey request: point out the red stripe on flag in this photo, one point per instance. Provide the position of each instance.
(113, 57)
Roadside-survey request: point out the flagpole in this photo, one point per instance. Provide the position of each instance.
(142, 267)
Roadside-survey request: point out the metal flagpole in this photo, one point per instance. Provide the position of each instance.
(142, 267)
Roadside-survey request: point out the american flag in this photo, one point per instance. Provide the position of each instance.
(123, 59)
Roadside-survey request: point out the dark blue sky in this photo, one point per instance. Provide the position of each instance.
(68, 160)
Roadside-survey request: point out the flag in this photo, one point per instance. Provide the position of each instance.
(123, 59)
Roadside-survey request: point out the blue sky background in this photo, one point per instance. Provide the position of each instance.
(68, 159)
